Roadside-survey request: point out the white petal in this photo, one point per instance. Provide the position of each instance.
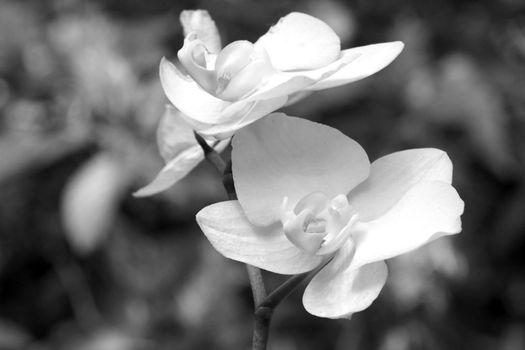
(338, 291)
(281, 156)
(287, 83)
(372, 58)
(394, 174)
(296, 97)
(174, 135)
(228, 230)
(174, 170)
(179, 149)
(193, 56)
(281, 84)
(186, 95)
(243, 113)
(200, 22)
(299, 41)
(220, 145)
(427, 211)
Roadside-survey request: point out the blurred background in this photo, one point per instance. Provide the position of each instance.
(84, 265)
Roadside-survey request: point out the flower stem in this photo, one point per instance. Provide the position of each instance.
(211, 155)
(278, 294)
(262, 316)
(264, 303)
(257, 283)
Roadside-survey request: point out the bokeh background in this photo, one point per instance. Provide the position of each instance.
(84, 265)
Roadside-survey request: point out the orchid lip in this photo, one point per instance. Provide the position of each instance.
(331, 246)
(236, 71)
(241, 69)
(317, 224)
(193, 57)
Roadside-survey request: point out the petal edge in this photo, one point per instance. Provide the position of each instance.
(372, 59)
(340, 291)
(231, 234)
(427, 211)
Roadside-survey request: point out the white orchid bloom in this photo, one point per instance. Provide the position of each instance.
(226, 89)
(308, 195)
(220, 91)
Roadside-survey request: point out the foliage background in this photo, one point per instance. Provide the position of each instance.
(83, 265)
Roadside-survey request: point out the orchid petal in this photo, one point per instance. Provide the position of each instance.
(242, 113)
(179, 149)
(299, 42)
(372, 58)
(174, 135)
(338, 290)
(193, 57)
(174, 170)
(280, 84)
(393, 175)
(427, 211)
(287, 83)
(200, 22)
(188, 97)
(230, 233)
(281, 156)
(296, 97)
(241, 69)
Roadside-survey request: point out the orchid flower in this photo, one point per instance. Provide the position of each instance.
(221, 90)
(308, 196)
(179, 149)
(226, 89)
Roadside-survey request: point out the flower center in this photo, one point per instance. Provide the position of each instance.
(234, 73)
(240, 68)
(318, 224)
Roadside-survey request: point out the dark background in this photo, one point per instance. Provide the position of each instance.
(83, 265)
